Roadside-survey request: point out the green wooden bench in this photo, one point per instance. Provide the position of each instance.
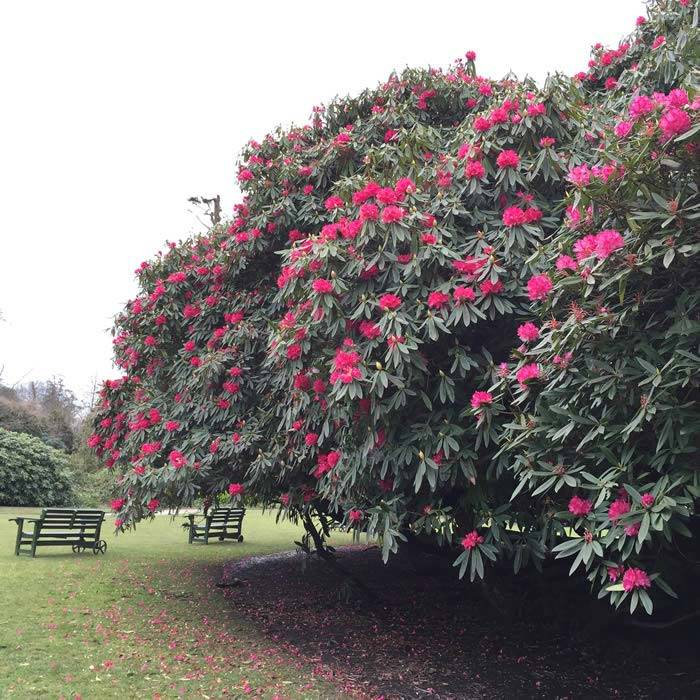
(221, 524)
(56, 527)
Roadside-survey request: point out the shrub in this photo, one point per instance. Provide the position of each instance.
(91, 489)
(360, 345)
(32, 473)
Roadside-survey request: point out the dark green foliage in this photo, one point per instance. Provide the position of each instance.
(32, 473)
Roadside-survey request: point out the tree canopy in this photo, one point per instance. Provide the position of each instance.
(449, 308)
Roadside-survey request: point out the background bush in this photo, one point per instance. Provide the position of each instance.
(32, 473)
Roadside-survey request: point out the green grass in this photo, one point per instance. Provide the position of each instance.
(143, 621)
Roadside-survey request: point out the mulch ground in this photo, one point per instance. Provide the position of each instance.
(419, 632)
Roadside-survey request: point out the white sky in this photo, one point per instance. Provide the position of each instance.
(113, 113)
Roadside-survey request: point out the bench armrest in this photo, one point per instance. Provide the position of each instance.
(22, 519)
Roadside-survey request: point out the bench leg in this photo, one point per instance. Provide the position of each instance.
(191, 534)
(19, 538)
(36, 534)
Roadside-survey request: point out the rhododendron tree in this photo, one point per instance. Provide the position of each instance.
(451, 309)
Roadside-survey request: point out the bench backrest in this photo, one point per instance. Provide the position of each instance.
(221, 516)
(71, 519)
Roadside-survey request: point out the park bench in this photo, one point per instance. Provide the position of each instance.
(220, 523)
(55, 527)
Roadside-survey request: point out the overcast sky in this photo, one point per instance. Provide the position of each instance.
(114, 113)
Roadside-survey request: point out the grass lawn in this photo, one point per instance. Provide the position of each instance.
(143, 621)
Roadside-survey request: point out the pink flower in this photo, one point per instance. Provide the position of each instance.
(635, 578)
(191, 311)
(236, 489)
(474, 169)
(322, 286)
(528, 332)
(678, 98)
(622, 129)
(641, 105)
(632, 530)
(462, 293)
(345, 365)
(513, 216)
(648, 500)
(386, 195)
(355, 515)
(470, 266)
(481, 398)
(294, 351)
(527, 372)
(369, 212)
(508, 159)
(538, 287)
(579, 507)
(326, 462)
(333, 202)
(311, 439)
(488, 287)
(404, 185)
(150, 448)
(580, 175)
(565, 262)
(659, 41)
(532, 214)
(392, 214)
(585, 247)
(117, 504)
(547, 142)
(673, 122)
(369, 330)
(470, 55)
(471, 540)
(437, 300)
(618, 508)
(389, 302)
(153, 505)
(428, 238)
(177, 459)
(614, 572)
(482, 124)
(607, 242)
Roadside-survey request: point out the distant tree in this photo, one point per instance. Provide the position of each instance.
(18, 416)
(57, 406)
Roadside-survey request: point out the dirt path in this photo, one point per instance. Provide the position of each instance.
(428, 635)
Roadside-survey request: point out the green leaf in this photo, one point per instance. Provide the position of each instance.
(644, 528)
(668, 257)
